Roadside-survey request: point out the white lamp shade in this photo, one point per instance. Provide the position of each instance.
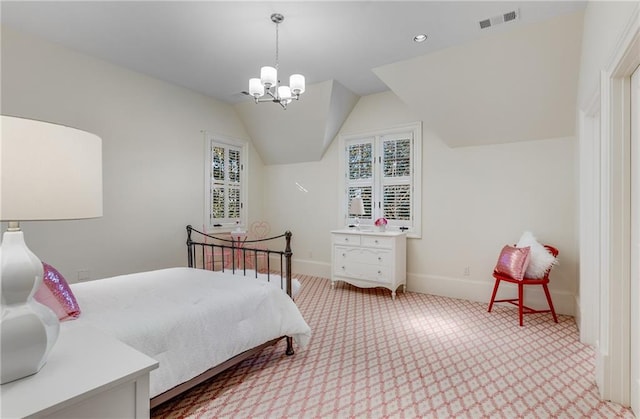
(356, 206)
(256, 89)
(284, 92)
(268, 76)
(49, 171)
(297, 84)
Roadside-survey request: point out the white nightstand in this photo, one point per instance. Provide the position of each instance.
(369, 259)
(87, 375)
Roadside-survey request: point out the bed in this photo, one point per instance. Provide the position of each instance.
(198, 322)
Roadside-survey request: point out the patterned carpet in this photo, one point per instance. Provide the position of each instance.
(417, 356)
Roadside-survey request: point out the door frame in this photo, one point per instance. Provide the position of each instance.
(613, 345)
(634, 349)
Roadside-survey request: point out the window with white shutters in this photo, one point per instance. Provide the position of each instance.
(384, 169)
(224, 184)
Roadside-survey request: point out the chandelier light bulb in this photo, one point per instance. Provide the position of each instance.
(256, 89)
(284, 93)
(268, 76)
(297, 84)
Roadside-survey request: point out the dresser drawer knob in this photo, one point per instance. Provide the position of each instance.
(376, 241)
(344, 254)
(379, 259)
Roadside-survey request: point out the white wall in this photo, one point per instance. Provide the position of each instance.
(475, 200)
(152, 155)
(604, 22)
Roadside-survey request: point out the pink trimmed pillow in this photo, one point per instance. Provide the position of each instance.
(56, 294)
(513, 262)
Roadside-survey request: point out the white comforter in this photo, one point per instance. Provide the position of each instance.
(188, 319)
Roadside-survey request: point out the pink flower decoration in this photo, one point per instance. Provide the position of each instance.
(381, 222)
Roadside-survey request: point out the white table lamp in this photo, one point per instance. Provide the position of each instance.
(49, 172)
(356, 207)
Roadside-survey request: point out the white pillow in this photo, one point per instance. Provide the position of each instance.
(540, 260)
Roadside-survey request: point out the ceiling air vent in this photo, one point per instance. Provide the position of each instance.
(497, 20)
(485, 23)
(510, 16)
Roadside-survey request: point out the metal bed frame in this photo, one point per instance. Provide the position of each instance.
(196, 254)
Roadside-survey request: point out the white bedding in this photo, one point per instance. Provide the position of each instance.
(273, 279)
(188, 319)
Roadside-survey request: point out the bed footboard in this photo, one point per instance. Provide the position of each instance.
(213, 252)
(205, 251)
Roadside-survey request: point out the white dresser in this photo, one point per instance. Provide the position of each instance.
(88, 375)
(369, 259)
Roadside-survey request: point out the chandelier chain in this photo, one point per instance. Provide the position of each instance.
(277, 42)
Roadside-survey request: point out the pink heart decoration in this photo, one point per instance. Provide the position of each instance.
(260, 229)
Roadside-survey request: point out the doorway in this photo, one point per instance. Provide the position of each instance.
(618, 348)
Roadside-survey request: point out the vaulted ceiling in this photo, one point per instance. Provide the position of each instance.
(517, 86)
(466, 82)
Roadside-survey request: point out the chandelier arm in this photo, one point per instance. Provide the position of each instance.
(274, 97)
(267, 99)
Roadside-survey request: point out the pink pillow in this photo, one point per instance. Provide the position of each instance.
(56, 294)
(513, 261)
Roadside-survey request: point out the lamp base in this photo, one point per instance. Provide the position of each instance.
(28, 330)
(24, 344)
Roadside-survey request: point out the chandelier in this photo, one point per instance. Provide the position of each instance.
(268, 83)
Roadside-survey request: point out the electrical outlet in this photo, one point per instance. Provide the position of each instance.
(467, 271)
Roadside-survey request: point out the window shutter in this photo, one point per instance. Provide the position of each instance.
(225, 184)
(367, 198)
(396, 177)
(360, 158)
(397, 158)
(397, 202)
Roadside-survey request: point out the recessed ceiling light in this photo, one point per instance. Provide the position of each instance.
(420, 38)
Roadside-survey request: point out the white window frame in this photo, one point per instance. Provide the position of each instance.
(226, 224)
(414, 130)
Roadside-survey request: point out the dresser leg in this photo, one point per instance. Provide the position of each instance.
(393, 295)
(333, 284)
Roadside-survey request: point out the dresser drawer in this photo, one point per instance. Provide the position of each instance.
(350, 239)
(377, 242)
(362, 271)
(378, 257)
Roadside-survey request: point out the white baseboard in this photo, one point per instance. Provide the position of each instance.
(463, 288)
(578, 315)
(475, 290)
(311, 267)
(602, 365)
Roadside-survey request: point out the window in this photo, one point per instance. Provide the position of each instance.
(225, 184)
(384, 169)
